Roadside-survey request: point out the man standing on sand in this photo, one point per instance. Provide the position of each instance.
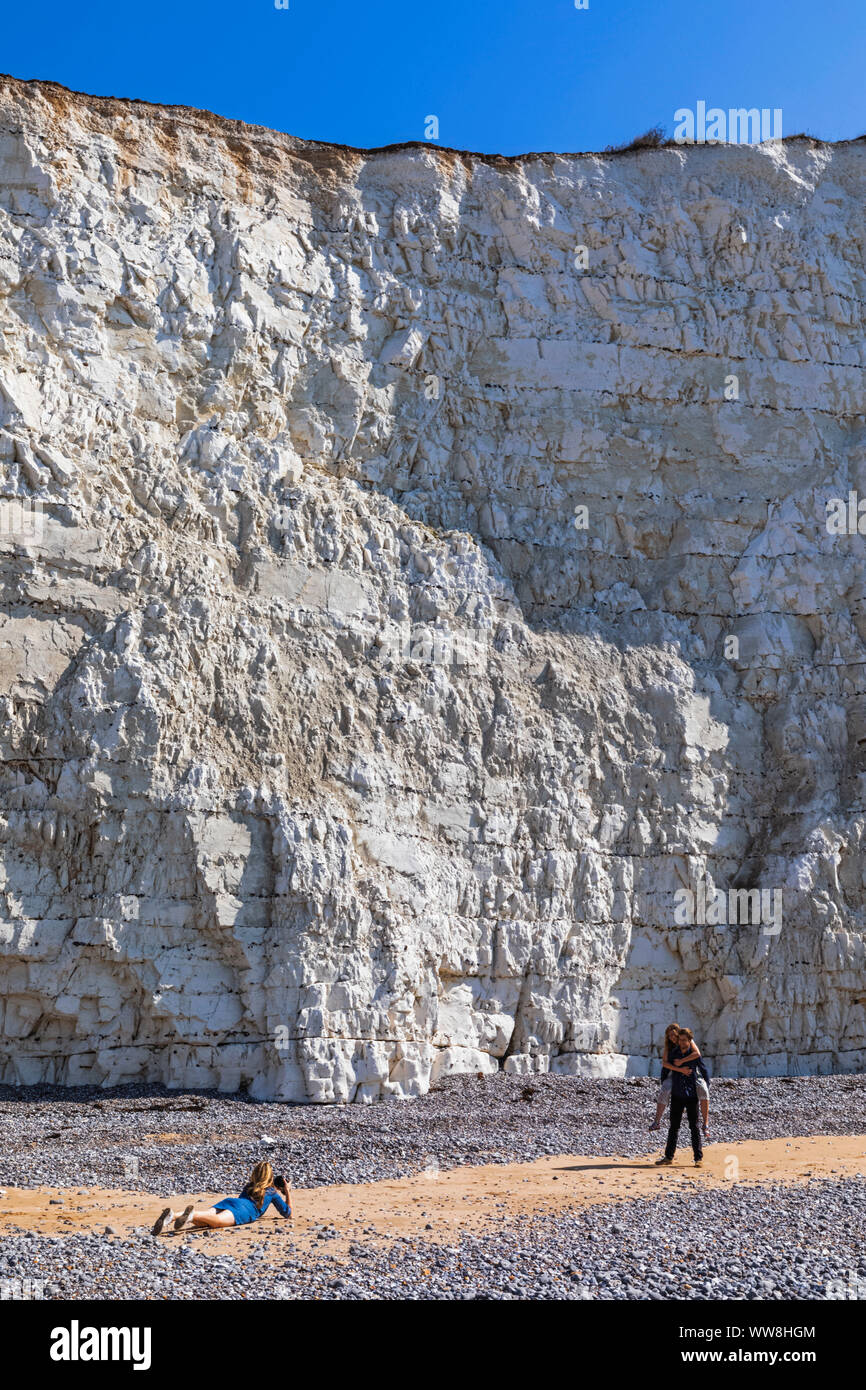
(684, 1096)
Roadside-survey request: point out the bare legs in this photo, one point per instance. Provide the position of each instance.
(660, 1110)
(204, 1216)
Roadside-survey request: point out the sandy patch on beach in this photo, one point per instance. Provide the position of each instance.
(469, 1198)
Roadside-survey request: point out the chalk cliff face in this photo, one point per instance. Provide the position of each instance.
(374, 529)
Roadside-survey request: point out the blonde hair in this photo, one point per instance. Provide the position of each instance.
(261, 1178)
(672, 1028)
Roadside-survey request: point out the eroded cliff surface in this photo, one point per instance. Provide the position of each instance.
(374, 530)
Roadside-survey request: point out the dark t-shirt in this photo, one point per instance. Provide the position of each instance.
(682, 1085)
(700, 1068)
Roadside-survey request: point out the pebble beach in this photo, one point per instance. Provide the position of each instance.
(758, 1240)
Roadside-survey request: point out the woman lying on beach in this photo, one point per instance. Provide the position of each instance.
(673, 1034)
(262, 1189)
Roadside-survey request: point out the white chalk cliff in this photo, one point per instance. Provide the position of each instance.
(370, 557)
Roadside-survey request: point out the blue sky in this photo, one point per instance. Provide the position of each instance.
(501, 75)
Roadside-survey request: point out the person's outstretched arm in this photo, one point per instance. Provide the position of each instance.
(283, 1200)
(273, 1195)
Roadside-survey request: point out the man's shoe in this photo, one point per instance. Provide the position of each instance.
(699, 1163)
(663, 1162)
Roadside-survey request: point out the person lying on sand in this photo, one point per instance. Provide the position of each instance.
(262, 1189)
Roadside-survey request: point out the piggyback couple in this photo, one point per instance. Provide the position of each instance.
(685, 1086)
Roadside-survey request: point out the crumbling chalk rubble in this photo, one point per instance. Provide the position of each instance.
(371, 555)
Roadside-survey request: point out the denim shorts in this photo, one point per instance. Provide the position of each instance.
(242, 1209)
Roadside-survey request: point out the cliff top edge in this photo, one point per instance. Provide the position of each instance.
(210, 122)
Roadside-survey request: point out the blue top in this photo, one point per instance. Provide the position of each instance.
(244, 1209)
(682, 1085)
(672, 1051)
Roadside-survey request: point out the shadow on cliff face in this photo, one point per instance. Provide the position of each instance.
(415, 394)
(627, 543)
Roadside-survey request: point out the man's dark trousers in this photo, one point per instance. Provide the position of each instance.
(678, 1105)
